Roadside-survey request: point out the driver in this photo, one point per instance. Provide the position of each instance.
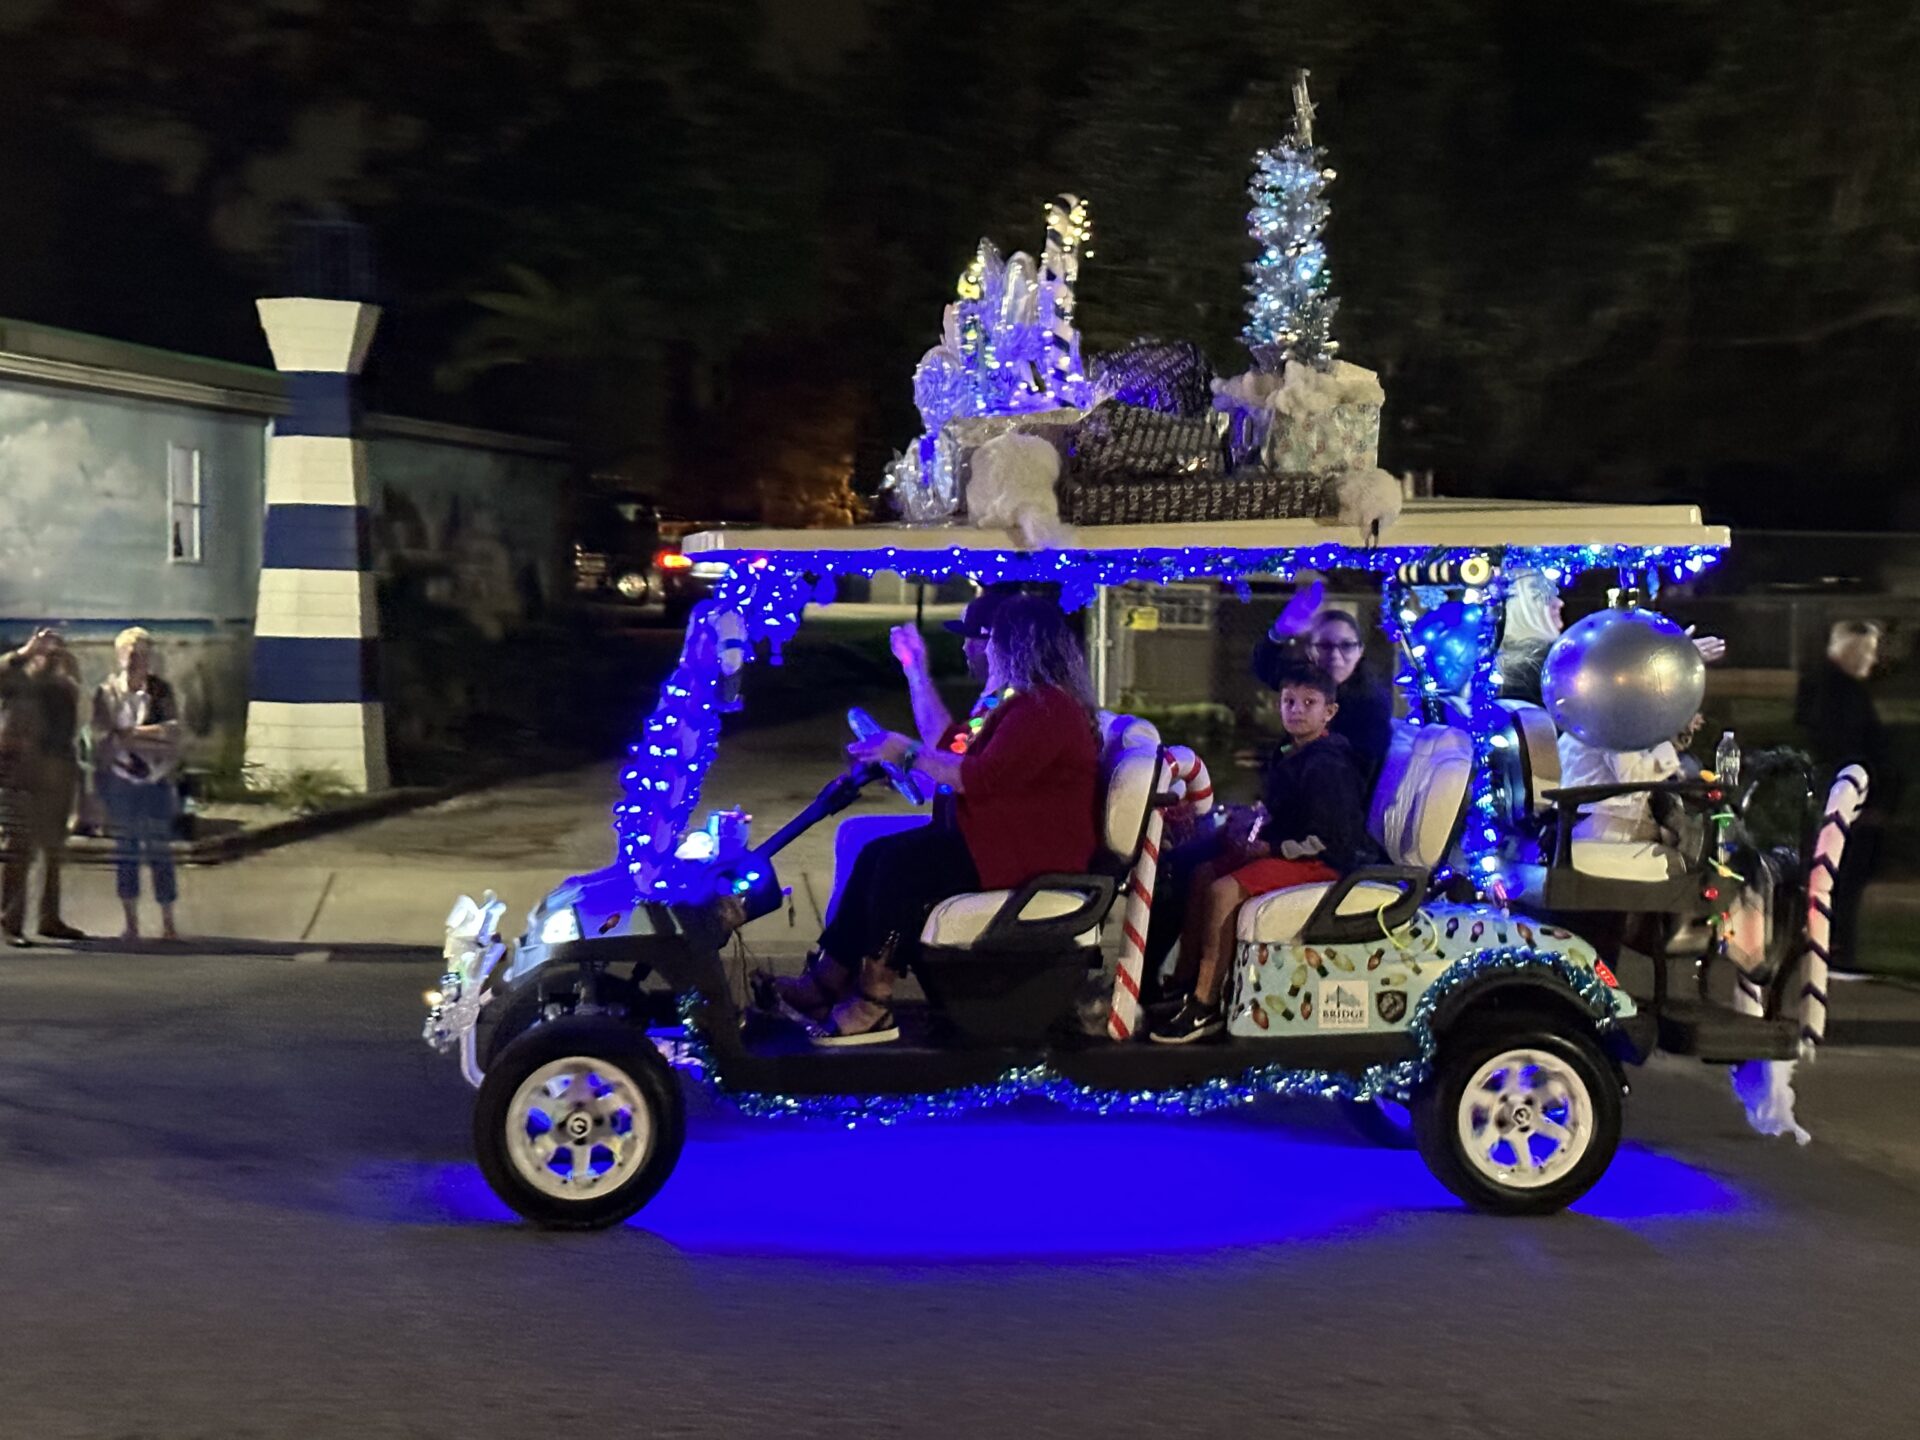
(938, 731)
(937, 727)
(1025, 792)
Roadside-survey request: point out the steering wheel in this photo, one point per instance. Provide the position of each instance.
(905, 782)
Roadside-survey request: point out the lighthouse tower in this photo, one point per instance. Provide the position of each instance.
(314, 701)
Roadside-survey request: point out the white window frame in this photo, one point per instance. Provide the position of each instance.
(186, 462)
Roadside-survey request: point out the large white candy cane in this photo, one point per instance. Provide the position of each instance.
(1844, 801)
(1068, 229)
(1183, 774)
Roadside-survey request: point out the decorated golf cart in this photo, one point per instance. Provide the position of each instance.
(1473, 978)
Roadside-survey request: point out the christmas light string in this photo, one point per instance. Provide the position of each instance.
(1395, 1081)
(767, 592)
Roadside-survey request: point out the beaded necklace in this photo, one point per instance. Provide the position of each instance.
(982, 708)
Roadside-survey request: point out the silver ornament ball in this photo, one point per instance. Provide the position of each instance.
(1623, 680)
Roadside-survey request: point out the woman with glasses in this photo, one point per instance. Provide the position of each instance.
(1333, 641)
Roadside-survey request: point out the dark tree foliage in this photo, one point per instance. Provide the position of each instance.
(1660, 247)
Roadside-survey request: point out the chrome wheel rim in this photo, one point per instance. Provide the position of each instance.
(1526, 1118)
(578, 1128)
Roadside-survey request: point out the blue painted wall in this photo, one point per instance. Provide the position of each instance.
(471, 530)
(83, 509)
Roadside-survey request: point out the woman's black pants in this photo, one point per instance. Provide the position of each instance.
(896, 880)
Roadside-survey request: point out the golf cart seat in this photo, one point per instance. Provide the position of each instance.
(1527, 765)
(1003, 965)
(1418, 806)
(1056, 910)
(1527, 773)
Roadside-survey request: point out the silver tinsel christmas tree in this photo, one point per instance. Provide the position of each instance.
(1290, 300)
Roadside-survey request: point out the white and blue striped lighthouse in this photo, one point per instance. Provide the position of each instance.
(314, 703)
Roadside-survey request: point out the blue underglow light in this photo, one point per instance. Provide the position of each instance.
(1039, 1186)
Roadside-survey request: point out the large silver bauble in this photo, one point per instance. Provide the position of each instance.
(1623, 680)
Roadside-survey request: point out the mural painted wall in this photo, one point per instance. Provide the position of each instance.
(89, 528)
(117, 510)
(86, 526)
(477, 531)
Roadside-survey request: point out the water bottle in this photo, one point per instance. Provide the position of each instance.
(1726, 760)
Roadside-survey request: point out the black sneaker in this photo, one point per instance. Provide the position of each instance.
(1195, 1022)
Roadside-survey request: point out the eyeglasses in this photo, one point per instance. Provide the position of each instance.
(1335, 647)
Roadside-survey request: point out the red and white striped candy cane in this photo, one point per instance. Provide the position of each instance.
(1182, 774)
(1844, 801)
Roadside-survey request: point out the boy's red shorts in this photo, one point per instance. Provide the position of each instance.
(1257, 877)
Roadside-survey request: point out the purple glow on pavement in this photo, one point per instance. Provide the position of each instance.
(1038, 1185)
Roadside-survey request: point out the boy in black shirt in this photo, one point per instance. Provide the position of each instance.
(1314, 829)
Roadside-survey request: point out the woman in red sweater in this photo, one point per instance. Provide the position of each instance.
(1025, 791)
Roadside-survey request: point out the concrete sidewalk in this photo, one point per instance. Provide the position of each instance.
(390, 882)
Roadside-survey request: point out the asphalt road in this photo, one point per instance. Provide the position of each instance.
(236, 1199)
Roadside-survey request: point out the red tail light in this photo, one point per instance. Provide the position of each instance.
(671, 560)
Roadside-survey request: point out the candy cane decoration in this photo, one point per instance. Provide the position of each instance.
(1068, 230)
(1184, 775)
(1844, 801)
(1764, 1088)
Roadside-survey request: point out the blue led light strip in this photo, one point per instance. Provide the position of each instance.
(1397, 1081)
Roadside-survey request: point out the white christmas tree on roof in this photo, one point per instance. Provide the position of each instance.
(1290, 300)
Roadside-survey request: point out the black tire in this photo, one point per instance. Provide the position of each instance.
(519, 1015)
(610, 1046)
(528, 1008)
(1437, 1114)
(1387, 1123)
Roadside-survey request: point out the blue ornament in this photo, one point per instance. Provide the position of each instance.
(1623, 680)
(1447, 642)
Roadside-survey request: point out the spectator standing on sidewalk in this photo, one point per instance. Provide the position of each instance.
(41, 775)
(1836, 710)
(136, 747)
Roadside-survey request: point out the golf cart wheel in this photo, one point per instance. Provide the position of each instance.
(578, 1123)
(1519, 1119)
(1387, 1123)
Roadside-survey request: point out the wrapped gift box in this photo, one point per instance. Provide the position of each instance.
(1347, 437)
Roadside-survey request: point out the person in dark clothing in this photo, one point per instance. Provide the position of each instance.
(40, 694)
(1835, 709)
(1314, 830)
(1333, 641)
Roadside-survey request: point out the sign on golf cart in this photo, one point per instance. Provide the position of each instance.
(1448, 980)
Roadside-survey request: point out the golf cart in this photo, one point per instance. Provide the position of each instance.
(1458, 979)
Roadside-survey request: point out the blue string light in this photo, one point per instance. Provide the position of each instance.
(1396, 1081)
(767, 592)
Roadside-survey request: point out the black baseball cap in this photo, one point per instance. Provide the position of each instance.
(977, 621)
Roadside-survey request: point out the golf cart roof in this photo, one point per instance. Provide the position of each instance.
(1426, 524)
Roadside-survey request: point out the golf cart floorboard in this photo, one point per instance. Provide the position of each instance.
(1720, 1036)
(905, 1068)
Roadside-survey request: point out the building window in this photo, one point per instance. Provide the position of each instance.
(185, 505)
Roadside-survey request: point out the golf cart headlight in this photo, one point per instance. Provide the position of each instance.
(560, 928)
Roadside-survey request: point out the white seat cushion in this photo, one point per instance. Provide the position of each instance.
(1625, 860)
(963, 919)
(1422, 786)
(1280, 915)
